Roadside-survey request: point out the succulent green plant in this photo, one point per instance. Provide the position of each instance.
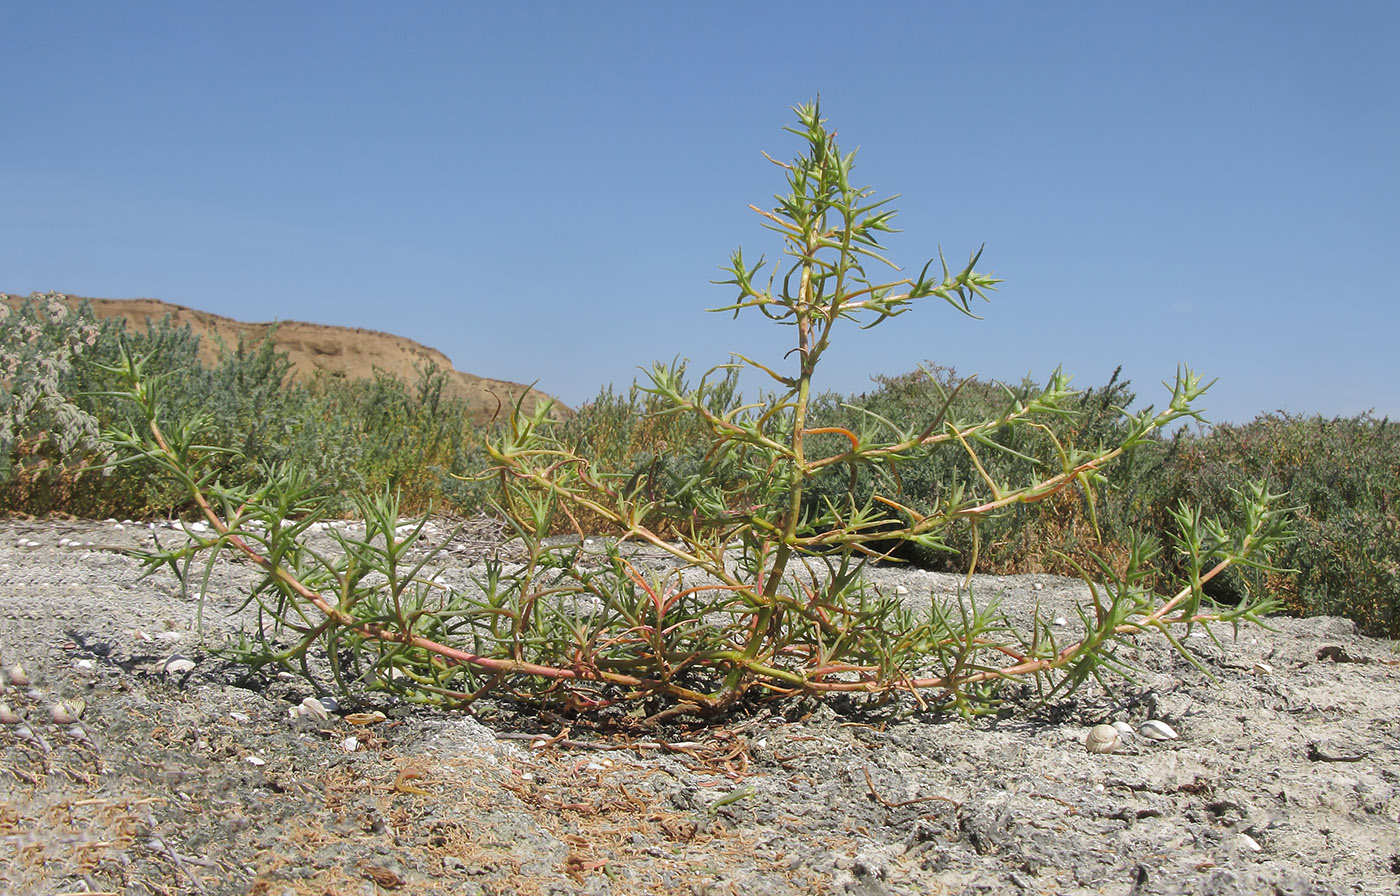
(764, 590)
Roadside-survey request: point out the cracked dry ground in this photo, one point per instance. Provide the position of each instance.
(1284, 779)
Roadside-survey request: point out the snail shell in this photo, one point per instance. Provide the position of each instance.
(1103, 739)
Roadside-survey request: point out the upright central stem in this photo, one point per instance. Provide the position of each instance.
(798, 473)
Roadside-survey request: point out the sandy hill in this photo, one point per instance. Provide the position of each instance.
(338, 351)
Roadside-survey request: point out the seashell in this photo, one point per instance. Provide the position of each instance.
(1250, 843)
(66, 712)
(1155, 729)
(177, 664)
(1061, 621)
(331, 704)
(312, 708)
(1263, 669)
(366, 718)
(255, 760)
(1125, 730)
(350, 744)
(17, 676)
(8, 716)
(901, 590)
(1103, 739)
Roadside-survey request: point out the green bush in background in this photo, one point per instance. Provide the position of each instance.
(362, 435)
(1343, 473)
(373, 434)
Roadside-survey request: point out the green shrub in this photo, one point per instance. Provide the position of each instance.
(1045, 535)
(57, 369)
(1344, 473)
(769, 595)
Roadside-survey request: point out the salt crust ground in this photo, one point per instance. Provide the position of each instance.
(1285, 779)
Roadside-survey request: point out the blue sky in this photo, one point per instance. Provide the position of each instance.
(544, 191)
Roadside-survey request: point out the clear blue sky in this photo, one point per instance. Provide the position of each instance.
(544, 191)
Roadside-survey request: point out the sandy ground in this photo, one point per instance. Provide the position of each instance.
(1285, 778)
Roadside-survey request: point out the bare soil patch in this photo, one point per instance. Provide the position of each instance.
(1285, 778)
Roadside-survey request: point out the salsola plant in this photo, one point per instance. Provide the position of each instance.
(766, 594)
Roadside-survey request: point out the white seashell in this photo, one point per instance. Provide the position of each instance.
(1102, 739)
(1038, 586)
(1125, 730)
(350, 744)
(83, 664)
(1250, 843)
(1263, 669)
(901, 590)
(313, 709)
(17, 676)
(255, 760)
(177, 664)
(66, 712)
(1155, 729)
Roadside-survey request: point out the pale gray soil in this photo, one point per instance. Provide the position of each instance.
(1285, 778)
